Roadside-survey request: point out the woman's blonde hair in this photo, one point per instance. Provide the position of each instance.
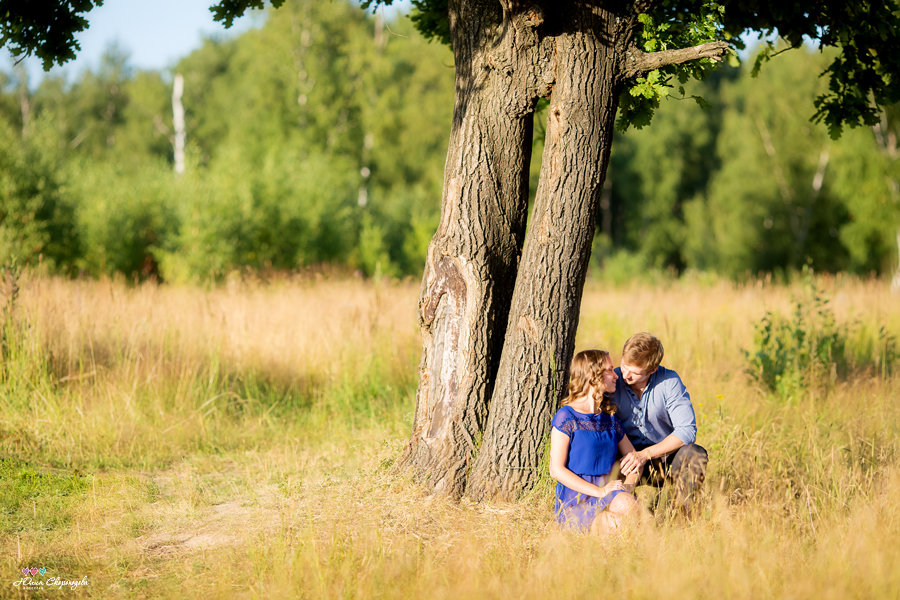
(587, 371)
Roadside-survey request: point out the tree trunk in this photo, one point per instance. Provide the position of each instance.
(178, 122)
(539, 342)
(472, 259)
(493, 334)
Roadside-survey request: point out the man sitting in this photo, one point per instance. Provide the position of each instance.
(656, 412)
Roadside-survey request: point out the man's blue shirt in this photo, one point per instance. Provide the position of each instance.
(663, 409)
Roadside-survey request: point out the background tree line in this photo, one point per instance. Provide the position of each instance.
(319, 138)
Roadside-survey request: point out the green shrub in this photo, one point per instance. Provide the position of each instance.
(621, 267)
(809, 348)
(804, 349)
(289, 212)
(125, 217)
(37, 224)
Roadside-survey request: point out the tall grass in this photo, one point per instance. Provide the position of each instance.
(237, 442)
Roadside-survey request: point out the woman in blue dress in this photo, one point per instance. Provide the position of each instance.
(584, 442)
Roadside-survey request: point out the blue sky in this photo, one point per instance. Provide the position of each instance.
(154, 33)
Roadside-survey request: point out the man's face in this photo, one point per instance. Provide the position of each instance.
(635, 376)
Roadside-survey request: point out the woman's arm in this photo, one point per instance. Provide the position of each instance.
(559, 451)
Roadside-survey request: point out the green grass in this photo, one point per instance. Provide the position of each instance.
(35, 498)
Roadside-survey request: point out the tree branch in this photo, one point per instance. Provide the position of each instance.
(639, 62)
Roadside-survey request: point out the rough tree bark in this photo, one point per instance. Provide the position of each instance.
(495, 333)
(472, 259)
(543, 318)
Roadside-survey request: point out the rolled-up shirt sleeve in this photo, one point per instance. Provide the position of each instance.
(680, 409)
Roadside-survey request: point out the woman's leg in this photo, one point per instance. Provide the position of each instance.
(622, 509)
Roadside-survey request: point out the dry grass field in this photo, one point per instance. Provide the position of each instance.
(237, 442)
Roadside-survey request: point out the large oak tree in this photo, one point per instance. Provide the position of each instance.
(498, 309)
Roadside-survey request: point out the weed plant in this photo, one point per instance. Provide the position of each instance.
(810, 349)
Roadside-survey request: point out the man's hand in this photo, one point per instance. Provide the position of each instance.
(633, 462)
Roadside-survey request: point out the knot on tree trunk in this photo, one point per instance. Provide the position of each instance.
(446, 279)
(532, 14)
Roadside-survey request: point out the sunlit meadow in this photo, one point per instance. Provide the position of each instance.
(238, 442)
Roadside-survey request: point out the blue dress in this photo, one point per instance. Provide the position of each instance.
(593, 447)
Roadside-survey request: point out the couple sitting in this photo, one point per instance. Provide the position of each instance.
(640, 411)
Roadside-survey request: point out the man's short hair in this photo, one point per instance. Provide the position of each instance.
(644, 351)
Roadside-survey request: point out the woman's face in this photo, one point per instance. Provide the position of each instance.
(608, 377)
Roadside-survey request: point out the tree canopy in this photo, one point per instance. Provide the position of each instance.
(862, 77)
(711, 206)
(44, 28)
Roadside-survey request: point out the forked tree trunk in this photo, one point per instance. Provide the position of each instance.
(492, 333)
(540, 337)
(472, 259)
